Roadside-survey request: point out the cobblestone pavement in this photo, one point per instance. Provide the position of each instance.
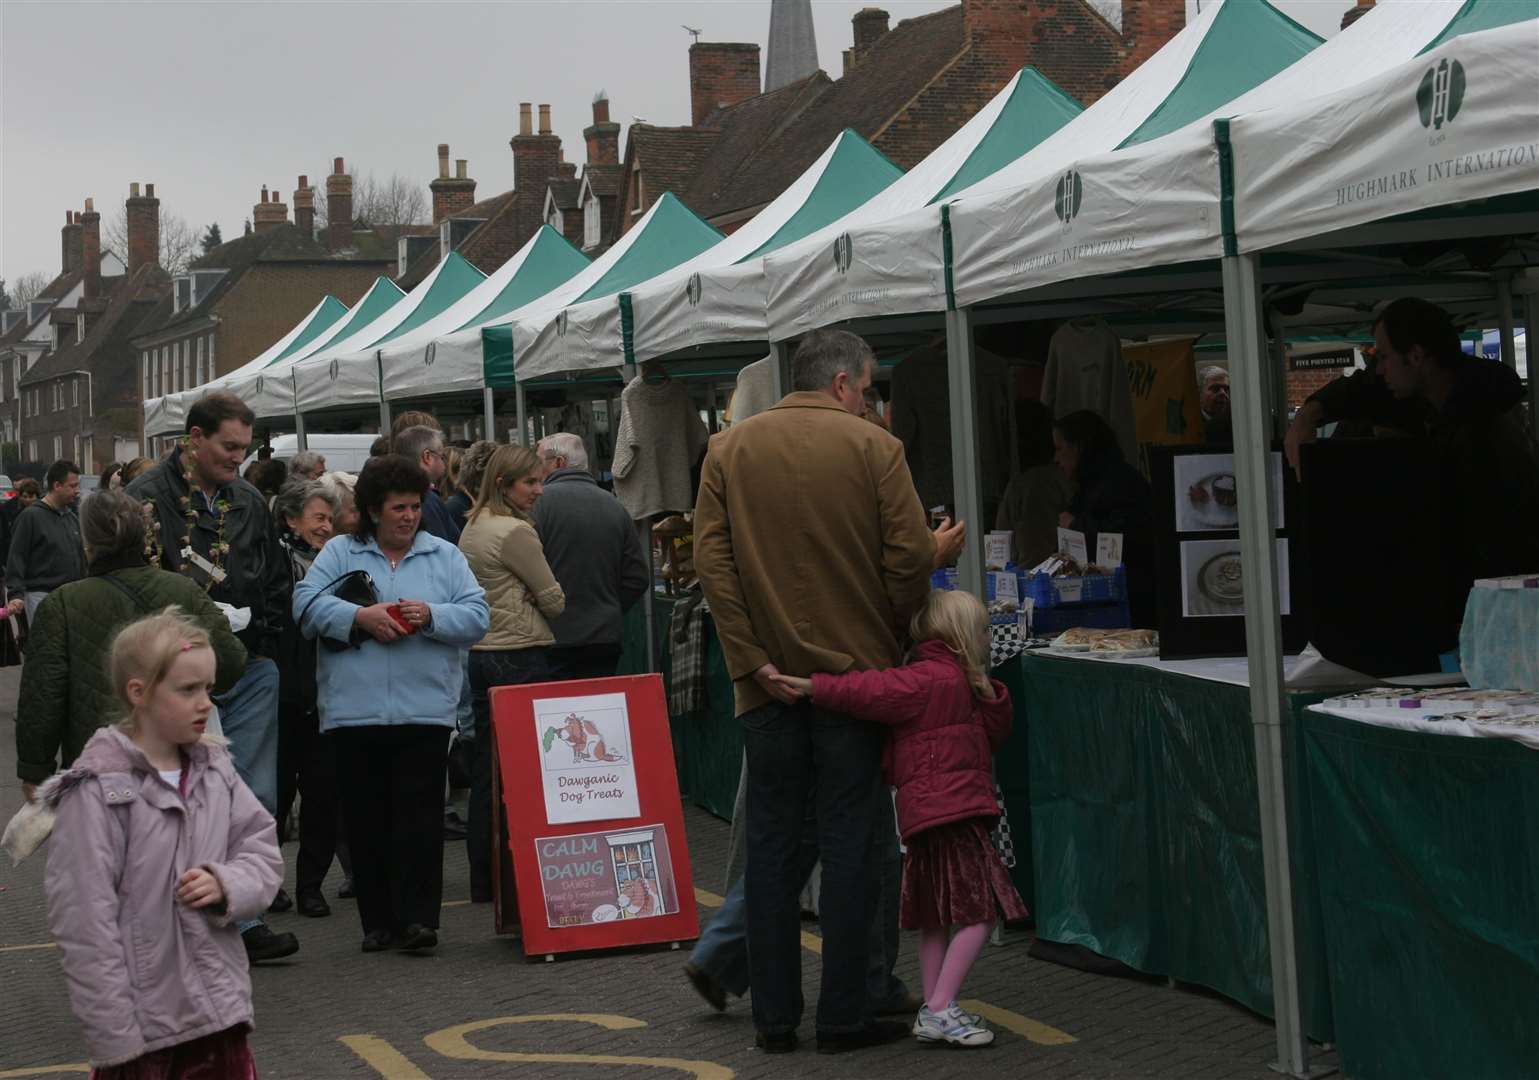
(477, 1009)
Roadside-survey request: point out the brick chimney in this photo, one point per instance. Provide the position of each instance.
(603, 135)
(720, 73)
(339, 208)
(451, 194)
(69, 237)
(269, 213)
(304, 208)
(91, 250)
(536, 161)
(1146, 26)
(869, 24)
(143, 228)
(1351, 15)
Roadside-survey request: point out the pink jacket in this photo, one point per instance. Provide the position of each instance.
(941, 755)
(145, 971)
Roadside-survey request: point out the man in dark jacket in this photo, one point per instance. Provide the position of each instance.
(425, 446)
(592, 546)
(45, 550)
(27, 492)
(214, 527)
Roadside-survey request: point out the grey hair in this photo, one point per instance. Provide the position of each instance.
(824, 354)
(112, 522)
(306, 462)
(296, 494)
(414, 441)
(473, 465)
(1207, 374)
(565, 444)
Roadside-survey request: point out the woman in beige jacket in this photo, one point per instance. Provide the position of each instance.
(504, 553)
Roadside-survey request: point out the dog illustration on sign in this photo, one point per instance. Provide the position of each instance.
(583, 737)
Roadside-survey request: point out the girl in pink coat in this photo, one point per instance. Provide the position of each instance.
(948, 719)
(158, 847)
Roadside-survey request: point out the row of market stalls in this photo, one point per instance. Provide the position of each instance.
(1250, 183)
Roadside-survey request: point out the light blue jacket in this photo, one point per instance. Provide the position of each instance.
(413, 680)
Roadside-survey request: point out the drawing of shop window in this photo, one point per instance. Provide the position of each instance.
(634, 855)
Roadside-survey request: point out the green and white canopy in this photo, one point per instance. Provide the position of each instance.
(885, 259)
(541, 265)
(484, 353)
(717, 296)
(167, 415)
(346, 370)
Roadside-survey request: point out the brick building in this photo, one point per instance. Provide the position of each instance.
(905, 88)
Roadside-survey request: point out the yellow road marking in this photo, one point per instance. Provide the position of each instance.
(810, 941)
(452, 1042)
(44, 1070)
(709, 899)
(26, 948)
(383, 1058)
(1024, 1026)
(454, 903)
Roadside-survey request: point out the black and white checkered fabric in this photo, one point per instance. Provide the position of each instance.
(1007, 642)
(1004, 843)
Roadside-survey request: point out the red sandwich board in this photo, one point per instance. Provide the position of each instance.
(590, 850)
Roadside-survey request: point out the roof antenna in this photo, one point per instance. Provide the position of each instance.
(695, 34)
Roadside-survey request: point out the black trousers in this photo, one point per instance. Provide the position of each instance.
(489, 669)
(583, 662)
(392, 785)
(307, 765)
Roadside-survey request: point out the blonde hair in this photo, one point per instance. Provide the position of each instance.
(146, 648)
(959, 621)
(507, 463)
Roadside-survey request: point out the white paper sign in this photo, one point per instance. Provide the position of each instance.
(1108, 550)
(1004, 590)
(1070, 589)
(996, 550)
(1071, 542)
(586, 764)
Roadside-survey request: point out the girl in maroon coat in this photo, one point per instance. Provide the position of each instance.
(948, 719)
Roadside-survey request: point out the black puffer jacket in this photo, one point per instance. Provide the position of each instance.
(257, 573)
(296, 657)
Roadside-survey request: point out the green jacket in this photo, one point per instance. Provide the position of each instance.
(66, 691)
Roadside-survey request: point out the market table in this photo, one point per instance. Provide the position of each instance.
(1430, 912)
(1141, 796)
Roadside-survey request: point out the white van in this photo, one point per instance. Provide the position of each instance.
(343, 453)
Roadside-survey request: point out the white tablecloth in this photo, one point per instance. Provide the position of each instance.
(1415, 720)
(1306, 671)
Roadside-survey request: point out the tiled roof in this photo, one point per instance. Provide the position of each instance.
(56, 289)
(670, 156)
(131, 300)
(604, 179)
(564, 193)
(489, 211)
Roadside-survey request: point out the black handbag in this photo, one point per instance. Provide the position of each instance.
(356, 587)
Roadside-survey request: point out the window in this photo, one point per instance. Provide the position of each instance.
(636, 198)
(211, 356)
(74, 391)
(186, 364)
(144, 374)
(554, 221)
(79, 328)
(201, 377)
(592, 222)
(31, 449)
(58, 447)
(165, 369)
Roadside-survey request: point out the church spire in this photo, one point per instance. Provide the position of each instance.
(793, 47)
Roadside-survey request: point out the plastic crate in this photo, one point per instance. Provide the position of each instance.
(1050, 622)
(1046, 591)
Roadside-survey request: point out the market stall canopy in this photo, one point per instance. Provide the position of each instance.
(1162, 202)
(719, 294)
(483, 354)
(346, 372)
(544, 262)
(862, 266)
(167, 415)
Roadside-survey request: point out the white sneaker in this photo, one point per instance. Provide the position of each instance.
(951, 1025)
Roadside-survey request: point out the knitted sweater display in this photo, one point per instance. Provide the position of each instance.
(660, 439)
(1085, 370)
(755, 389)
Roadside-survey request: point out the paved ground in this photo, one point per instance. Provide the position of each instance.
(477, 1009)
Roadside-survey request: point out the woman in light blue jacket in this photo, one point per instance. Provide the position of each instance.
(388, 701)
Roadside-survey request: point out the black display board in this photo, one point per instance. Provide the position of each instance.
(1197, 553)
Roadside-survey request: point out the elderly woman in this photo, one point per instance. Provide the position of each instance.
(306, 764)
(389, 679)
(66, 690)
(504, 553)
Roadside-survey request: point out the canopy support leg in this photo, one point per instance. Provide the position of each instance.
(1533, 368)
(1505, 322)
(710, 408)
(780, 369)
(1277, 407)
(1263, 636)
(299, 416)
(384, 403)
(522, 400)
(488, 415)
(962, 380)
(648, 598)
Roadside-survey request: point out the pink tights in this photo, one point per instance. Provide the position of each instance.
(943, 966)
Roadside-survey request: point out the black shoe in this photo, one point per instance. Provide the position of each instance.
(281, 903)
(907, 1005)
(347, 891)
(879, 1033)
(262, 944)
(706, 987)
(378, 941)
(779, 1042)
(417, 937)
(312, 904)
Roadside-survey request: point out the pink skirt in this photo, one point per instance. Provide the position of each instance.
(952, 876)
(223, 1055)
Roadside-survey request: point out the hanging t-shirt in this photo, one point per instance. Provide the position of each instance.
(661, 437)
(1085, 370)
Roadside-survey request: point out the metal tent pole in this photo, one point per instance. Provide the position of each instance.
(710, 407)
(649, 598)
(1505, 323)
(1533, 369)
(299, 417)
(488, 413)
(1277, 407)
(780, 369)
(962, 384)
(1248, 377)
(522, 400)
(384, 406)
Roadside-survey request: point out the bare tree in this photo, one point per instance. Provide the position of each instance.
(379, 204)
(1110, 10)
(178, 240)
(27, 286)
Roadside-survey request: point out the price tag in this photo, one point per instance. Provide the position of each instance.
(1070, 589)
(996, 550)
(1108, 550)
(1071, 542)
(216, 574)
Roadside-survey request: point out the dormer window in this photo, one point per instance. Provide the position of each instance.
(636, 199)
(80, 329)
(592, 222)
(181, 297)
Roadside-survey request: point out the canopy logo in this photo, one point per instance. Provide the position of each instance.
(844, 253)
(260, 383)
(561, 324)
(692, 290)
(1068, 196)
(1441, 94)
(431, 354)
(333, 370)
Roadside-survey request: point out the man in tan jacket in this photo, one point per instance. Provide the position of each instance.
(812, 548)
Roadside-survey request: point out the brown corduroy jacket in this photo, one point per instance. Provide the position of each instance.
(810, 543)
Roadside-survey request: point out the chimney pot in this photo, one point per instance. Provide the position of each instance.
(461, 167)
(304, 181)
(264, 194)
(69, 217)
(443, 160)
(336, 167)
(601, 110)
(89, 208)
(525, 118)
(149, 191)
(133, 191)
(544, 119)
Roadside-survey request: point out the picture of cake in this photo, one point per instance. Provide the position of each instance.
(1207, 492)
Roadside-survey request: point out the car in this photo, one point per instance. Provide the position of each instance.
(343, 453)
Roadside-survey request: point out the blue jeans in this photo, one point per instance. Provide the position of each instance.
(248, 713)
(801, 757)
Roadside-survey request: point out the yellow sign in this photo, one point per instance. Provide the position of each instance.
(1163, 378)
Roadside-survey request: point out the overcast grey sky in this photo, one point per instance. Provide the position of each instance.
(209, 101)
